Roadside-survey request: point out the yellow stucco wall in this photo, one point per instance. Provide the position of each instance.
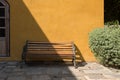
(53, 21)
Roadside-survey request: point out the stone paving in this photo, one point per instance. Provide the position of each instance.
(85, 71)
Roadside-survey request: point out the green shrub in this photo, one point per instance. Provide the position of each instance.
(105, 44)
(114, 23)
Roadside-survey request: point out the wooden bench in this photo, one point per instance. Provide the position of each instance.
(35, 50)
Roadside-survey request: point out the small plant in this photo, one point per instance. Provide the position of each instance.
(114, 23)
(105, 44)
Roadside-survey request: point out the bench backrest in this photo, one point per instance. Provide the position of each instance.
(34, 47)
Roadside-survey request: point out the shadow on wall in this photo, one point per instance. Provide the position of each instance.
(80, 57)
(25, 26)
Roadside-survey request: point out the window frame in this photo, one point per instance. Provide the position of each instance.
(6, 27)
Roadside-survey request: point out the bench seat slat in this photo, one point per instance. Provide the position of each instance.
(49, 45)
(52, 43)
(49, 55)
(47, 49)
(36, 47)
(42, 43)
(49, 52)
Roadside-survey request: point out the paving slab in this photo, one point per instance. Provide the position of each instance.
(95, 76)
(1, 67)
(41, 77)
(16, 78)
(98, 71)
(72, 78)
(112, 76)
(33, 72)
(53, 70)
(2, 79)
(16, 74)
(15, 63)
(3, 75)
(58, 79)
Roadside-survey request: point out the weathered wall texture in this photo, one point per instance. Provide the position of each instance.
(53, 21)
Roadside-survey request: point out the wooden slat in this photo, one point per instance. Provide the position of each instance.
(45, 43)
(49, 59)
(48, 47)
(49, 56)
(50, 52)
(37, 42)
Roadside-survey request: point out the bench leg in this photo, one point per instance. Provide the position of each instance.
(74, 62)
(23, 62)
